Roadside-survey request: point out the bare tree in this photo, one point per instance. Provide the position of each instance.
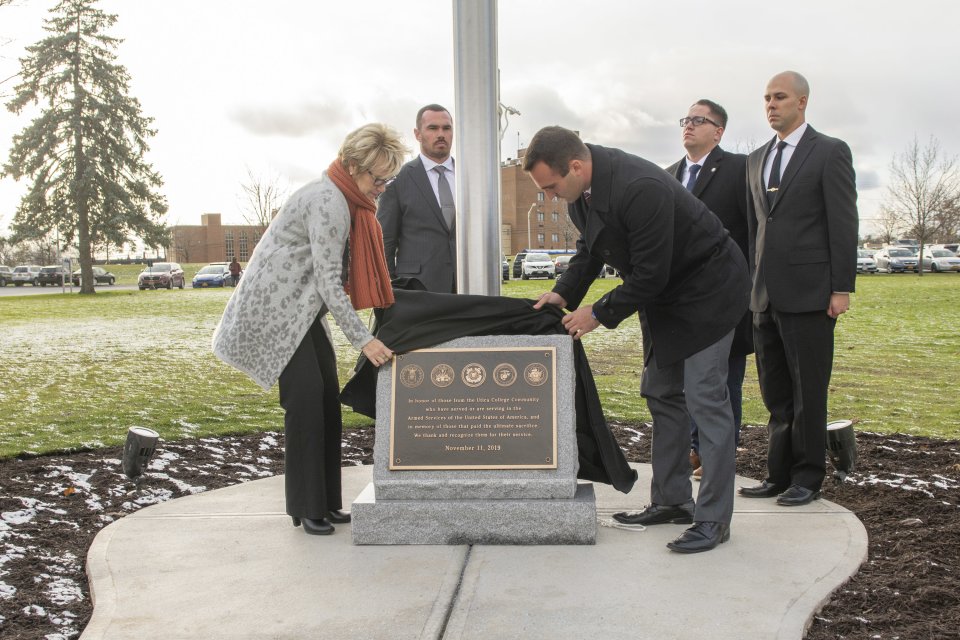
(948, 222)
(889, 224)
(923, 185)
(262, 198)
(568, 232)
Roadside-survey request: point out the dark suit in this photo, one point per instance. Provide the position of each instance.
(805, 249)
(721, 185)
(416, 238)
(689, 280)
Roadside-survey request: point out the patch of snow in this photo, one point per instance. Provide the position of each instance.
(63, 591)
(6, 592)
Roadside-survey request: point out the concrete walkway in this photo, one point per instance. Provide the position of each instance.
(229, 564)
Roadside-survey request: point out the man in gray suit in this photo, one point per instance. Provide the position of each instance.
(803, 223)
(418, 210)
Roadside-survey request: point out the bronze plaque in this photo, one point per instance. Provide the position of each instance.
(479, 408)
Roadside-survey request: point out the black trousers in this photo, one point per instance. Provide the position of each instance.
(310, 396)
(794, 363)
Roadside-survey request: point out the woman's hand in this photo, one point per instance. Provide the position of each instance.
(377, 352)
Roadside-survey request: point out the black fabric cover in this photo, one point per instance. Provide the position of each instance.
(420, 319)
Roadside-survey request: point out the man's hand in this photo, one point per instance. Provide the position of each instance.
(580, 322)
(839, 303)
(550, 298)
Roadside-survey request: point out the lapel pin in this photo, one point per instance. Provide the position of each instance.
(712, 169)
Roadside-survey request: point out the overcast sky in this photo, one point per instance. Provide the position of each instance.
(274, 86)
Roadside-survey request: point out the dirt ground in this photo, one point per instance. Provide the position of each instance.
(906, 491)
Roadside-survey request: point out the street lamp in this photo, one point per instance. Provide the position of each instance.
(529, 211)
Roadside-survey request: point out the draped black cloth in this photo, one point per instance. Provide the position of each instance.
(420, 319)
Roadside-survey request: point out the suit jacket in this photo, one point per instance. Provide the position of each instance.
(416, 238)
(805, 246)
(679, 265)
(721, 185)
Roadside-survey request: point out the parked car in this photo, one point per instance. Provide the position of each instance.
(538, 265)
(161, 274)
(561, 263)
(53, 275)
(865, 262)
(100, 276)
(518, 264)
(937, 260)
(26, 274)
(6, 275)
(896, 260)
(505, 267)
(213, 275)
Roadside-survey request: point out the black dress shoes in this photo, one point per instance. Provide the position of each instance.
(658, 514)
(796, 496)
(320, 527)
(338, 516)
(702, 536)
(762, 490)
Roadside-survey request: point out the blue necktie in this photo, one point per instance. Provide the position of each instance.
(692, 180)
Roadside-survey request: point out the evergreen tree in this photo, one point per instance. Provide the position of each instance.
(85, 151)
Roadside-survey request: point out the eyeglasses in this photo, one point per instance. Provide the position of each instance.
(696, 121)
(381, 182)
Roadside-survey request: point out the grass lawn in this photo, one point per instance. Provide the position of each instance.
(80, 370)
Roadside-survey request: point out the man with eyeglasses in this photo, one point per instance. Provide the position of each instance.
(418, 209)
(689, 282)
(718, 179)
(804, 227)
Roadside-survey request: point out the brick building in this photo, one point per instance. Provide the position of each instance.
(212, 241)
(528, 220)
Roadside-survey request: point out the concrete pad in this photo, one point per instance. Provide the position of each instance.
(228, 564)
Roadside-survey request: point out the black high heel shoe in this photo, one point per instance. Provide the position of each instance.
(319, 527)
(338, 516)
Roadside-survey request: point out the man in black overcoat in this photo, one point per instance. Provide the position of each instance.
(689, 281)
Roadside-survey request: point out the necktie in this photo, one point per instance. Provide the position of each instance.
(447, 204)
(773, 185)
(692, 180)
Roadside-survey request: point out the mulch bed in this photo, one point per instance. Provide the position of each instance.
(906, 491)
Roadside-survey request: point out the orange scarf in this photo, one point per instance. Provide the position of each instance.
(368, 281)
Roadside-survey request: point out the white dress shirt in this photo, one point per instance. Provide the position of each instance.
(792, 140)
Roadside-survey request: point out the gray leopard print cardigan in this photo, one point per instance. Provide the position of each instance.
(294, 271)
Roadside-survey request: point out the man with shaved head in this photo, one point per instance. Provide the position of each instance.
(803, 219)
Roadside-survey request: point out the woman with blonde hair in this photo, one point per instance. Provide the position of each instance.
(322, 252)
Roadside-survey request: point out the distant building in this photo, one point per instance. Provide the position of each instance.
(528, 219)
(212, 241)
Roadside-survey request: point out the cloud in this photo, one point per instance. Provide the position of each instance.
(868, 180)
(294, 120)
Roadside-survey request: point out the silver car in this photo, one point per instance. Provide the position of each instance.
(937, 260)
(896, 260)
(26, 274)
(865, 262)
